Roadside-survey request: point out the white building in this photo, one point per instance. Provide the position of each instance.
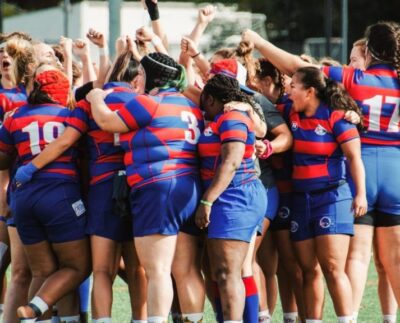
(178, 18)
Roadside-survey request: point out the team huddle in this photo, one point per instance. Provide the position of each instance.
(226, 178)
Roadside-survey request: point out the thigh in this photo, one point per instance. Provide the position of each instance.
(156, 252)
(226, 255)
(187, 253)
(387, 240)
(332, 250)
(67, 255)
(388, 180)
(360, 243)
(18, 257)
(305, 252)
(41, 259)
(106, 254)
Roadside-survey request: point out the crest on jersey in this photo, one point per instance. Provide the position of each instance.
(294, 126)
(208, 132)
(325, 222)
(320, 130)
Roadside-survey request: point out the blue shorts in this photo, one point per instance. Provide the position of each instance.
(166, 207)
(102, 220)
(272, 202)
(316, 214)
(49, 209)
(283, 218)
(238, 211)
(382, 178)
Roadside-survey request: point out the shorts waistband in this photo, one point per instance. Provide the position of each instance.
(323, 189)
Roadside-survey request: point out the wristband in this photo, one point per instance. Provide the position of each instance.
(206, 203)
(268, 150)
(156, 41)
(103, 51)
(152, 8)
(194, 56)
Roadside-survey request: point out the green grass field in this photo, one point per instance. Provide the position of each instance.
(369, 312)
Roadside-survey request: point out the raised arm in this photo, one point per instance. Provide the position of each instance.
(81, 49)
(98, 39)
(285, 62)
(145, 34)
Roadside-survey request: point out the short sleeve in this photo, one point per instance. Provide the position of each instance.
(272, 116)
(344, 75)
(233, 126)
(79, 117)
(6, 139)
(138, 112)
(343, 130)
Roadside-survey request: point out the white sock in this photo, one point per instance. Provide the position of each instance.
(139, 321)
(70, 319)
(355, 317)
(27, 320)
(264, 316)
(44, 321)
(193, 317)
(389, 318)
(313, 321)
(157, 319)
(290, 317)
(345, 319)
(40, 304)
(233, 321)
(102, 320)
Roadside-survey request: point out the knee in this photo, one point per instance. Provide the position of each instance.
(224, 274)
(21, 275)
(331, 269)
(311, 273)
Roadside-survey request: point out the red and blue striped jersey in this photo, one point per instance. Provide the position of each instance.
(163, 143)
(11, 99)
(318, 160)
(29, 129)
(228, 127)
(106, 155)
(377, 93)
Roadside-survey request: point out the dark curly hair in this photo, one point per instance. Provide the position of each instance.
(383, 42)
(267, 69)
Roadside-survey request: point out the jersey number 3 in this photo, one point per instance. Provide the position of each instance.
(50, 131)
(192, 135)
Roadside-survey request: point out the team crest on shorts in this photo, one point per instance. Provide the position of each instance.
(294, 126)
(320, 130)
(284, 212)
(325, 222)
(294, 226)
(79, 208)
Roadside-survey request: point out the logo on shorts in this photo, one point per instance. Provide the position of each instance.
(284, 212)
(294, 126)
(320, 130)
(325, 222)
(79, 208)
(294, 226)
(208, 132)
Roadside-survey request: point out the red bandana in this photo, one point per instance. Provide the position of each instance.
(55, 84)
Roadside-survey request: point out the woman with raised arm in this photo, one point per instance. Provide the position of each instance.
(162, 171)
(377, 92)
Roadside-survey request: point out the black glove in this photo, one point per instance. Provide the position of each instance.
(152, 9)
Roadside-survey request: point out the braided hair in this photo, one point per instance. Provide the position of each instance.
(327, 90)
(226, 89)
(267, 69)
(383, 42)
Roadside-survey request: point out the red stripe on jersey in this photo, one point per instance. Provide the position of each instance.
(235, 115)
(234, 134)
(169, 167)
(377, 142)
(310, 171)
(314, 148)
(171, 134)
(134, 179)
(207, 174)
(95, 179)
(348, 135)
(310, 124)
(78, 124)
(128, 118)
(68, 172)
(209, 149)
